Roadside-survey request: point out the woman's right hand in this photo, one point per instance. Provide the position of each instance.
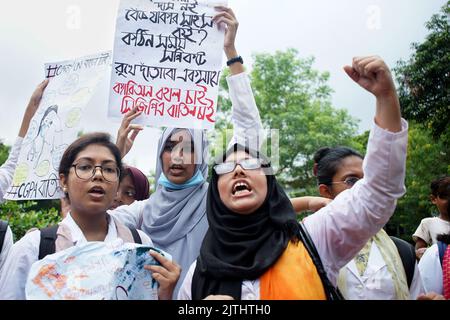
(226, 16)
(124, 140)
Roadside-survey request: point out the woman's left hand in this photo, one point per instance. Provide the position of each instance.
(167, 275)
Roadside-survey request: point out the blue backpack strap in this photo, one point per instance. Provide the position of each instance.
(48, 239)
(136, 237)
(442, 247)
(3, 229)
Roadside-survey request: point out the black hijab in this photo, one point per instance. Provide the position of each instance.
(242, 247)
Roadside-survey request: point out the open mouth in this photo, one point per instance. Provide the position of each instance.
(176, 169)
(241, 188)
(97, 191)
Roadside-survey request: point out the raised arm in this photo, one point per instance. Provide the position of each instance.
(8, 168)
(246, 119)
(313, 204)
(342, 228)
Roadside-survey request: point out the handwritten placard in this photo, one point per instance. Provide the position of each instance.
(55, 126)
(167, 62)
(95, 271)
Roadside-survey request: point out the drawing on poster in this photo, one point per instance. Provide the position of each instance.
(56, 125)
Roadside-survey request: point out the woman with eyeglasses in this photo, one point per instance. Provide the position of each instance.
(377, 272)
(255, 249)
(175, 214)
(90, 172)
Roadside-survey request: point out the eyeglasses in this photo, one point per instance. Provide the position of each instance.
(247, 164)
(349, 181)
(85, 171)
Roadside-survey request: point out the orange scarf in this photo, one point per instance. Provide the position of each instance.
(293, 277)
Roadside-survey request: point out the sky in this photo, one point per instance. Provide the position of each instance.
(33, 33)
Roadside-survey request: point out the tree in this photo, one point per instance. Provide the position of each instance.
(296, 100)
(424, 80)
(426, 161)
(25, 215)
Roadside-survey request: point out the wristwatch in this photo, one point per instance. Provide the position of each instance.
(234, 60)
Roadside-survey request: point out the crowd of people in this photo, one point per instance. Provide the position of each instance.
(237, 234)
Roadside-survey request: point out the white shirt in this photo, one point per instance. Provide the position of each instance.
(7, 244)
(342, 228)
(431, 270)
(430, 228)
(376, 282)
(8, 168)
(25, 252)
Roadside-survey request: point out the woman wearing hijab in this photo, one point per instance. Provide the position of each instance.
(254, 249)
(175, 215)
(133, 187)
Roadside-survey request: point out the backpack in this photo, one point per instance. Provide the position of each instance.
(442, 247)
(331, 291)
(408, 256)
(48, 239)
(3, 229)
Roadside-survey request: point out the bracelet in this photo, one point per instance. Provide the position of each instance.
(234, 60)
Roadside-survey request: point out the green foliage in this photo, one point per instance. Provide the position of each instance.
(23, 216)
(296, 100)
(424, 80)
(4, 152)
(426, 161)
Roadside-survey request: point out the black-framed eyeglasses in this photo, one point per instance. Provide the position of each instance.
(247, 164)
(85, 171)
(349, 181)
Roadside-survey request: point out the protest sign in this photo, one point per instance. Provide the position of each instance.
(167, 62)
(95, 271)
(55, 126)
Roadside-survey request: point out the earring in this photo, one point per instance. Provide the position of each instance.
(65, 189)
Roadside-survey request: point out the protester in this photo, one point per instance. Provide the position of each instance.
(253, 248)
(175, 214)
(90, 173)
(377, 272)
